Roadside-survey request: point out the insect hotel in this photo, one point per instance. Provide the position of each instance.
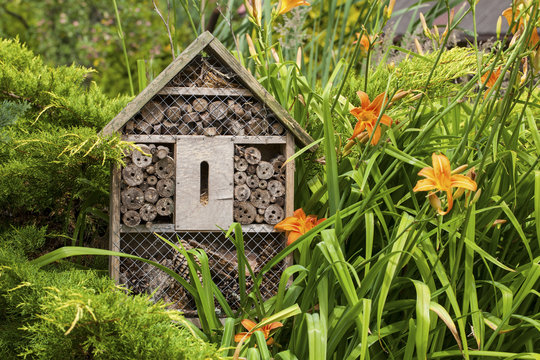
(213, 143)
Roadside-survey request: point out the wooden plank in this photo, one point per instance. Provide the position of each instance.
(192, 212)
(289, 188)
(257, 228)
(217, 49)
(150, 138)
(169, 90)
(114, 222)
(143, 229)
(159, 82)
(259, 139)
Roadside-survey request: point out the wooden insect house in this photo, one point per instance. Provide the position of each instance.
(218, 141)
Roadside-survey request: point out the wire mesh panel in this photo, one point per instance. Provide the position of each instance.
(204, 98)
(141, 277)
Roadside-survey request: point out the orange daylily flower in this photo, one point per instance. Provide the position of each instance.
(250, 325)
(520, 26)
(441, 178)
(297, 225)
(285, 6)
(365, 42)
(491, 80)
(367, 115)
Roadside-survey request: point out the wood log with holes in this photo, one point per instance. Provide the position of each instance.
(240, 178)
(165, 206)
(165, 187)
(256, 127)
(150, 169)
(244, 213)
(142, 159)
(148, 212)
(280, 201)
(252, 181)
(251, 170)
(162, 152)
(241, 164)
(265, 170)
(151, 195)
(218, 110)
(274, 214)
(132, 175)
(165, 168)
(131, 218)
(263, 184)
(123, 209)
(132, 198)
(199, 105)
(242, 192)
(151, 180)
(276, 188)
(152, 112)
(253, 155)
(260, 198)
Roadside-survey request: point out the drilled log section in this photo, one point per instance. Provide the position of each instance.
(265, 170)
(242, 192)
(174, 113)
(257, 187)
(147, 186)
(191, 117)
(252, 155)
(244, 213)
(257, 127)
(151, 195)
(165, 206)
(274, 214)
(240, 178)
(132, 175)
(165, 168)
(143, 127)
(165, 187)
(152, 112)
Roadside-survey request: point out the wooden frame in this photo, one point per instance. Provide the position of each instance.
(114, 225)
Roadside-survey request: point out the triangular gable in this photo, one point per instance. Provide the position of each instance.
(232, 78)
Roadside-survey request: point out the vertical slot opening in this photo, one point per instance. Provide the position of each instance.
(204, 183)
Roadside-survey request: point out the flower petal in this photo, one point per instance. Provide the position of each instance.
(249, 324)
(288, 224)
(450, 201)
(300, 214)
(462, 181)
(425, 185)
(293, 236)
(427, 172)
(441, 167)
(376, 136)
(238, 337)
(358, 129)
(386, 120)
(364, 99)
(377, 103)
(273, 326)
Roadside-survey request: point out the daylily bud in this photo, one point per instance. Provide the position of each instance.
(299, 58)
(254, 9)
(499, 222)
(474, 199)
(400, 94)
(389, 9)
(435, 202)
(424, 25)
(525, 71)
(275, 55)
(499, 25)
(459, 169)
(251, 48)
(418, 47)
(436, 32)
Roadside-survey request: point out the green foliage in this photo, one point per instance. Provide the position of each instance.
(10, 111)
(55, 164)
(76, 314)
(25, 240)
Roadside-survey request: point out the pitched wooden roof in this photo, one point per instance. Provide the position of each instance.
(209, 44)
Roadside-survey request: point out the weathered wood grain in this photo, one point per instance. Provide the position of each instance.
(191, 213)
(203, 91)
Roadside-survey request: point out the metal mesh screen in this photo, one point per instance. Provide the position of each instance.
(206, 71)
(143, 278)
(204, 98)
